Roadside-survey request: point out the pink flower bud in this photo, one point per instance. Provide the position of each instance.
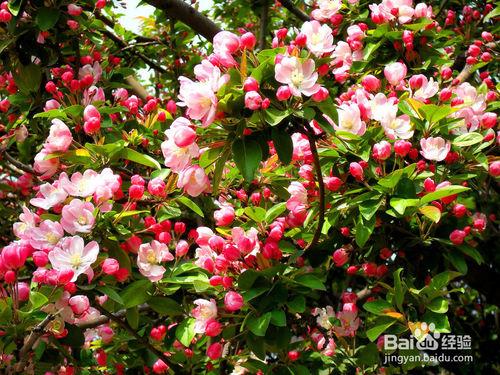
(74, 10)
(40, 258)
(233, 301)
(79, 304)
(182, 248)
(283, 93)
(250, 84)
(457, 236)
(320, 95)
(160, 367)
(13, 256)
(381, 150)
(213, 328)
(333, 183)
(23, 291)
(214, 351)
(136, 191)
(356, 171)
(156, 187)
(340, 257)
(371, 83)
(110, 266)
(402, 148)
(253, 100)
(494, 168)
(395, 73)
(248, 40)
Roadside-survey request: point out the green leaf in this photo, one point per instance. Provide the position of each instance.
(278, 318)
(364, 230)
(275, 211)
(442, 193)
(468, 139)
(273, 116)
(472, 252)
(247, 155)
(257, 214)
(37, 300)
(378, 307)
(431, 212)
(297, 304)
(369, 208)
(258, 324)
(283, 145)
(136, 293)
(367, 355)
(185, 331)
(111, 293)
(46, 18)
(438, 305)
(434, 113)
(399, 293)
(28, 78)
(132, 316)
(137, 157)
(51, 114)
(310, 281)
(374, 332)
(190, 204)
(440, 321)
(400, 204)
(165, 306)
(458, 262)
(442, 279)
(247, 279)
(391, 180)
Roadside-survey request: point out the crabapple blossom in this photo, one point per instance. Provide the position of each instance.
(395, 73)
(204, 311)
(149, 259)
(319, 38)
(193, 181)
(434, 148)
(300, 76)
(78, 216)
(72, 254)
(59, 138)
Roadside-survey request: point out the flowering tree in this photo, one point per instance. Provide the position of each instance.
(322, 176)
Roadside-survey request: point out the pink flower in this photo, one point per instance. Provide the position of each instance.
(149, 259)
(301, 148)
(203, 312)
(299, 76)
(340, 257)
(91, 70)
(213, 328)
(233, 301)
(59, 138)
(80, 185)
(181, 133)
(343, 57)
(398, 127)
(427, 90)
(211, 74)
(78, 217)
(45, 165)
(178, 158)
(350, 119)
(48, 196)
(225, 45)
(434, 148)
(181, 248)
(200, 100)
(246, 242)
(72, 254)
(224, 216)
(326, 9)
(298, 196)
(214, 351)
(395, 73)
(193, 180)
(51, 104)
(349, 321)
(13, 256)
(156, 187)
(423, 10)
(324, 316)
(28, 221)
(319, 37)
(47, 235)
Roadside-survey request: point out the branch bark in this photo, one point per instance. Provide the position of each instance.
(185, 13)
(288, 4)
(16, 163)
(103, 319)
(264, 20)
(321, 185)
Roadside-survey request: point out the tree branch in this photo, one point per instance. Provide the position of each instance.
(321, 185)
(103, 319)
(144, 341)
(264, 20)
(35, 334)
(185, 13)
(288, 4)
(16, 163)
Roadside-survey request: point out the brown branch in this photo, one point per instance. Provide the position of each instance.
(264, 20)
(321, 185)
(143, 340)
(103, 319)
(186, 14)
(288, 4)
(16, 163)
(35, 334)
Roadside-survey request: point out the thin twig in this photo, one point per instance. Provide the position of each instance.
(321, 185)
(103, 319)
